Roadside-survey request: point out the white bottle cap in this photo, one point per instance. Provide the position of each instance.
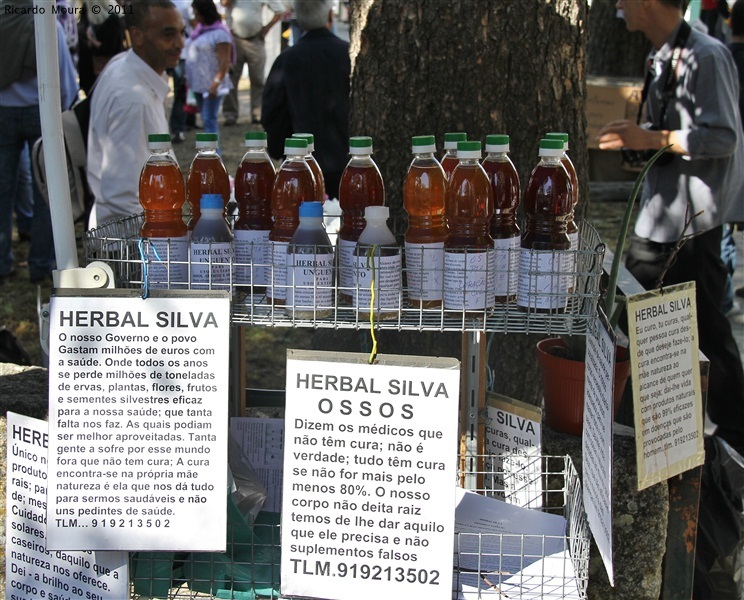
(376, 212)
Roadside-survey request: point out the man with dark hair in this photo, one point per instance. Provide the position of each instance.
(307, 91)
(129, 104)
(691, 104)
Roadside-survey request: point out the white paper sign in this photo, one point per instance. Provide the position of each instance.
(138, 415)
(597, 439)
(370, 463)
(665, 371)
(31, 570)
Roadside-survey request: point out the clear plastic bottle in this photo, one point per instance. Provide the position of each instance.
(423, 198)
(377, 257)
(449, 157)
(310, 267)
(314, 166)
(361, 186)
(207, 175)
(211, 247)
(547, 204)
(254, 181)
(468, 251)
(161, 194)
(504, 229)
(294, 184)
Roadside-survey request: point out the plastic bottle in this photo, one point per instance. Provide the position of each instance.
(293, 185)
(254, 181)
(310, 266)
(547, 204)
(361, 186)
(207, 175)
(211, 247)
(377, 257)
(468, 251)
(423, 198)
(314, 166)
(505, 232)
(449, 158)
(161, 194)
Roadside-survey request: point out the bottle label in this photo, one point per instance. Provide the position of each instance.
(346, 262)
(167, 262)
(309, 283)
(211, 265)
(542, 279)
(425, 270)
(466, 280)
(278, 290)
(388, 278)
(252, 260)
(572, 261)
(506, 266)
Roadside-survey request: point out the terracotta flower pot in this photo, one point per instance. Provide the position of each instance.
(563, 386)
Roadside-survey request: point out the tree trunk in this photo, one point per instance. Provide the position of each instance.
(612, 51)
(421, 67)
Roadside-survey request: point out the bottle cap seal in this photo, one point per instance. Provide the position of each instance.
(550, 147)
(423, 143)
(206, 140)
(159, 141)
(295, 146)
(360, 144)
(255, 139)
(468, 149)
(497, 143)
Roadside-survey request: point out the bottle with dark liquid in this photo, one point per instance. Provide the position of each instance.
(449, 158)
(294, 184)
(505, 232)
(162, 194)
(547, 204)
(314, 166)
(254, 181)
(361, 186)
(468, 251)
(207, 175)
(423, 199)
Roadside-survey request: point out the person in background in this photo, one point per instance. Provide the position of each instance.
(245, 20)
(702, 173)
(307, 91)
(128, 105)
(20, 124)
(177, 120)
(208, 56)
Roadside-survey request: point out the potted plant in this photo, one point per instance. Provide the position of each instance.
(561, 359)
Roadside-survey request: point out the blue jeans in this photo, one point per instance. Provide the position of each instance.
(24, 195)
(728, 256)
(20, 127)
(177, 119)
(209, 108)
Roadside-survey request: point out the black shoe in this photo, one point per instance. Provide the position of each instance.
(230, 121)
(178, 138)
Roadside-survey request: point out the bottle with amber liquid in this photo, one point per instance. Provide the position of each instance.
(547, 205)
(449, 157)
(468, 251)
(423, 198)
(361, 186)
(293, 185)
(314, 166)
(505, 232)
(162, 194)
(254, 181)
(207, 175)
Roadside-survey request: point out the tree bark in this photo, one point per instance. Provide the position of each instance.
(612, 51)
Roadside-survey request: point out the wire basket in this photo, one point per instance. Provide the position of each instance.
(133, 262)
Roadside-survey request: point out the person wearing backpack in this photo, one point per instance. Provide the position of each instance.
(20, 124)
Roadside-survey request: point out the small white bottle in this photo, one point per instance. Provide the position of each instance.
(310, 267)
(377, 257)
(210, 256)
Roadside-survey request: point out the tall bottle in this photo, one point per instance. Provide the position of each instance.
(377, 258)
(468, 251)
(310, 267)
(161, 194)
(547, 204)
(449, 158)
(423, 198)
(254, 181)
(361, 186)
(294, 184)
(207, 175)
(211, 247)
(314, 166)
(505, 232)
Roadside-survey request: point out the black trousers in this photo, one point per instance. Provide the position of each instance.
(699, 260)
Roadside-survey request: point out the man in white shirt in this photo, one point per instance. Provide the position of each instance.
(129, 104)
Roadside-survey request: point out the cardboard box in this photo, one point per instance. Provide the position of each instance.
(609, 99)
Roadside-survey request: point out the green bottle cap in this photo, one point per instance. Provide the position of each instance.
(550, 147)
(470, 149)
(158, 138)
(423, 143)
(206, 140)
(360, 144)
(497, 143)
(255, 139)
(309, 137)
(451, 140)
(295, 146)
